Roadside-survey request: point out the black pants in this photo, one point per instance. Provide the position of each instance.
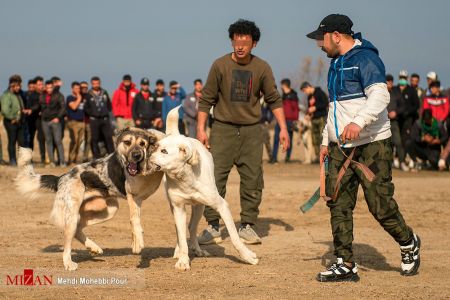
(41, 139)
(101, 128)
(15, 135)
(145, 124)
(424, 152)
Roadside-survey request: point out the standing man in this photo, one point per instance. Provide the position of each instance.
(53, 110)
(144, 111)
(75, 124)
(159, 95)
(172, 99)
(84, 87)
(12, 106)
(290, 108)
(317, 111)
(358, 124)
(123, 102)
(97, 107)
(233, 89)
(190, 106)
(34, 119)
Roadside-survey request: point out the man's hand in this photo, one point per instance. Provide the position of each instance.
(203, 138)
(284, 140)
(55, 120)
(14, 121)
(311, 109)
(137, 122)
(427, 138)
(158, 123)
(351, 132)
(323, 153)
(392, 114)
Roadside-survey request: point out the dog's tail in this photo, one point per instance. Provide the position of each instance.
(28, 183)
(172, 121)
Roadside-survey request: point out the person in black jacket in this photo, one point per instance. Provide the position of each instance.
(98, 107)
(394, 109)
(159, 95)
(317, 112)
(53, 109)
(409, 106)
(144, 108)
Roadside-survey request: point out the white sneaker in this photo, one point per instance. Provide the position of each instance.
(411, 164)
(404, 167)
(396, 163)
(441, 164)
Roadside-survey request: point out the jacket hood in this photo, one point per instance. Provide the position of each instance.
(365, 45)
(122, 86)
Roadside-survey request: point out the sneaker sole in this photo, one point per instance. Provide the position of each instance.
(216, 240)
(347, 278)
(414, 270)
(250, 242)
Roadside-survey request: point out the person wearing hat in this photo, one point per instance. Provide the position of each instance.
(431, 77)
(122, 102)
(144, 110)
(358, 126)
(173, 98)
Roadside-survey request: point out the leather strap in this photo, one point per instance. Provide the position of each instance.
(370, 176)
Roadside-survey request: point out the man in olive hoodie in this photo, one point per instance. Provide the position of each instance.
(12, 106)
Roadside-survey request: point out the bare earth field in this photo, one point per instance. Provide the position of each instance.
(295, 247)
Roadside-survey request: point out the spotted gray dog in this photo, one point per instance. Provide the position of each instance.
(89, 193)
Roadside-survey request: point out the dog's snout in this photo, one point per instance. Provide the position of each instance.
(136, 155)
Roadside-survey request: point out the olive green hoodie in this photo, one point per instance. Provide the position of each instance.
(11, 106)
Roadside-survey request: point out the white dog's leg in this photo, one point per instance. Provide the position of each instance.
(137, 243)
(223, 209)
(196, 215)
(179, 213)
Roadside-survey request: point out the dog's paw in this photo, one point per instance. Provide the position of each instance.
(249, 256)
(137, 244)
(183, 264)
(70, 266)
(201, 253)
(93, 247)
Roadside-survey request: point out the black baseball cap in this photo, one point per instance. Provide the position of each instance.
(126, 77)
(332, 23)
(145, 81)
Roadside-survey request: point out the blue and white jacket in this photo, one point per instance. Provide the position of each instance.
(358, 93)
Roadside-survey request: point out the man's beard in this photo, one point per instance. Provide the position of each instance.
(329, 54)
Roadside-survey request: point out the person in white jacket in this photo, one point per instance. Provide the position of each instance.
(358, 126)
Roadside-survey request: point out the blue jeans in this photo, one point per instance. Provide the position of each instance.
(53, 134)
(276, 140)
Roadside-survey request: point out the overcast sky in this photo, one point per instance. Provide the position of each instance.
(180, 39)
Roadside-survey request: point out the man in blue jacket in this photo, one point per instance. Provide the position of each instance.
(172, 99)
(358, 127)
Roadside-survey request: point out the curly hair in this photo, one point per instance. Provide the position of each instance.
(245, 27)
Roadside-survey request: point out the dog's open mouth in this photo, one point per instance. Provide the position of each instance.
(132, 169)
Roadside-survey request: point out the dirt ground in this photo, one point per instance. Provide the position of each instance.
(295, 246)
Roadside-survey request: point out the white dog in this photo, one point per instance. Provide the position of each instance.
(189, 171)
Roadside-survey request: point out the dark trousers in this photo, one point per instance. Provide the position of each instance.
(424, 152)
(276, 140)
(378, 194)
(41, 139)
(53, 137)
(15, 135)
(405, 128)
(240, 146)
(145, 124)
(101, 130)
(397, 140)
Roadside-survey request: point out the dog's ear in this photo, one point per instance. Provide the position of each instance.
(194, 159)
(191, 156)
(119, 132)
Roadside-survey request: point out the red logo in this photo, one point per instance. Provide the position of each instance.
(28, 278)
